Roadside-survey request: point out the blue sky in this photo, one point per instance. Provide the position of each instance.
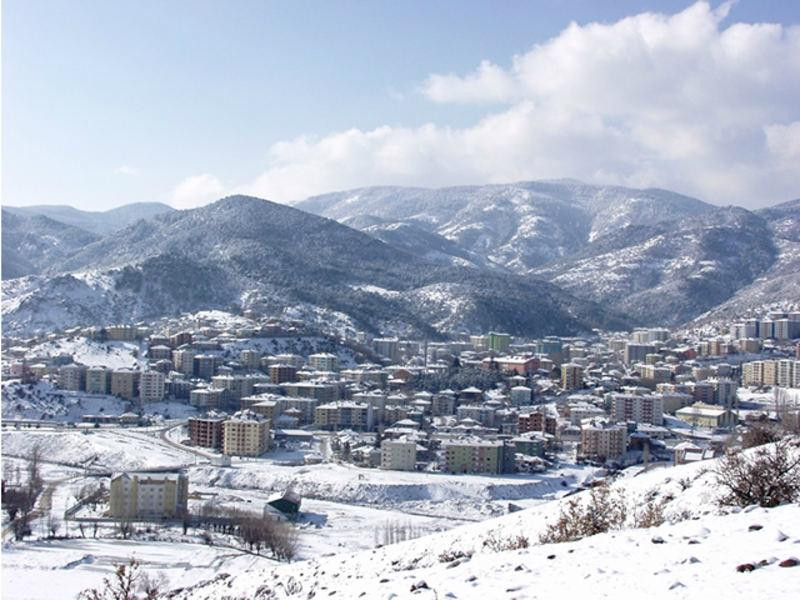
(106, 103)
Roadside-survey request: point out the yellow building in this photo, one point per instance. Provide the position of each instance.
(148, 495)
(472, 456)
(245, 434)
(706, 415)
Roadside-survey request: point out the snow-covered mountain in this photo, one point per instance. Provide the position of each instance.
(670, 272)
(99, 222)
(653, 255)
(777, 287)
(33, 242)
(248, 252)
(520, 226)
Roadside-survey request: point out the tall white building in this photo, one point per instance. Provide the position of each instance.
(151, 386)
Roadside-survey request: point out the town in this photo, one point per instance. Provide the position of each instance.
(247, 391)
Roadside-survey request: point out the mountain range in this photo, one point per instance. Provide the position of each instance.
(243, 252)
(532, 258)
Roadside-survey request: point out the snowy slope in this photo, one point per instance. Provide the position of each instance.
(246, 252)
(669, 273)
(521, 225)
(694, 557)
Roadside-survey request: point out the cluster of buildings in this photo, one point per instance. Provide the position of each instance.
(385, 401)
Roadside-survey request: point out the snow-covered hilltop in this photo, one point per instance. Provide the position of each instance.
(700, 551)
(246, 252)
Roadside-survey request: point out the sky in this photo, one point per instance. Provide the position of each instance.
(183, 102)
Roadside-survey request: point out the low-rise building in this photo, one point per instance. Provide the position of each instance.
(148, 495)
(707, 415)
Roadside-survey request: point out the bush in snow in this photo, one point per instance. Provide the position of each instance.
(578, 519)
(769, 476)
(501, 544)
(128, 583)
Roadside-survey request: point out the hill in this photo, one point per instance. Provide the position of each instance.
(98, 222)
(694, 553)
(33, 242)
(247, 252)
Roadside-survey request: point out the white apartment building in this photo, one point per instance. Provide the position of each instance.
(151, 386)
(398, 455)
(324, 361)
(638, 408)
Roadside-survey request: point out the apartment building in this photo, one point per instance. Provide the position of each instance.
(205, 398)
(245, 434)
(498, 342)
(344, 415)
(125, 383)
(72, 378)
(388, 347)
(282, 373)
(97, 380)
(571, 376)
(148, 495)
(151, 386)
(521, 395)
(603, 441)
(637, 352)
(537, 421)
(324, 392)
(472, 456)
(653, 374)
(324, 361)
(237, 386)
(644, 408)
(250, 359)
(485, 415)
(398, 455)
(205, 365)
(724, 391)
(207, 431)
(183, 361)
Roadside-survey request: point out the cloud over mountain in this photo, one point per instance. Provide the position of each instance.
(686, 101)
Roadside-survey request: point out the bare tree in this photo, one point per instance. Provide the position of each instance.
(759, 434)
(769, 476)
(129, 582)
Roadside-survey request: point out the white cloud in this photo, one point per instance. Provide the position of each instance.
(489, 83)
(196, 191)
(126, 170)
(678, 101)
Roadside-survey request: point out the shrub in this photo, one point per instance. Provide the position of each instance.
(503, 544)
(760, 434)
(769, 476)
(602, 512)
(128, 583)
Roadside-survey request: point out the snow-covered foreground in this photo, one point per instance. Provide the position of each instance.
(460, 497)
(61, 569)
(696, 557)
